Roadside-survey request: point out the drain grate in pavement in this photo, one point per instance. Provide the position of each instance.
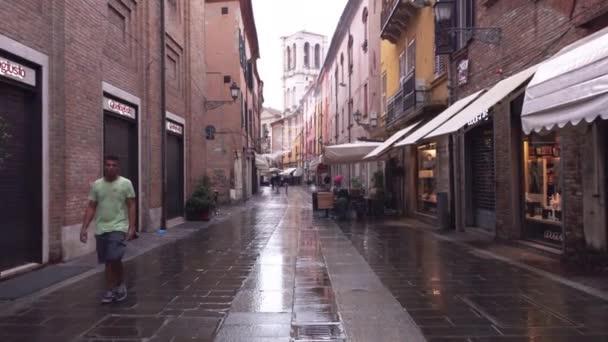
(317, 332)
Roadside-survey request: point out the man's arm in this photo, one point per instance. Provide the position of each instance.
(131, 206)
(89, 213)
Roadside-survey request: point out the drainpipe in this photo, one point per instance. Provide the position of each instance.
(454, 160)
(163, 108)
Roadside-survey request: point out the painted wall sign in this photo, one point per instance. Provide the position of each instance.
(119, 108)
(483, 116)
(175, 128)
(17, 72)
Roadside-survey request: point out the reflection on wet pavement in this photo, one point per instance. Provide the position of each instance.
(273, 273)
(455, 295)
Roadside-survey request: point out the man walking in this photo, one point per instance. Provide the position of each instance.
(112, 204)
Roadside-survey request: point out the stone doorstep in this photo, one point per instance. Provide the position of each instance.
(145, 243)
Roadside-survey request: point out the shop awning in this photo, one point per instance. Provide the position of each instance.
(570, 87)
(314, 164)
(287, 172)
(480, 106)
(348, 153)
(390, 141)
(421, 132)
(261, 163)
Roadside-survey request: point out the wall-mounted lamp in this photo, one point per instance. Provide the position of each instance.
(234, 93)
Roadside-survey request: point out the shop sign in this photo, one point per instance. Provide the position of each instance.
(17, 72)
(483, 116)
(463, 72)
(119, 108)
(551, 235)
(175, 128)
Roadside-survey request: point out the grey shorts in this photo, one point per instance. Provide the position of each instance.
(110, 246)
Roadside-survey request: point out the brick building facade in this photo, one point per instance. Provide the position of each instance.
(91, 59)
(532, 32)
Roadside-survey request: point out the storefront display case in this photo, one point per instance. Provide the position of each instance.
(427, 183)
(543, 188)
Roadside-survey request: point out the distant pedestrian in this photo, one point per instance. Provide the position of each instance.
(112, 205)
(286, 184)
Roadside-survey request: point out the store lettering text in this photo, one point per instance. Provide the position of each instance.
(9, 69)
(121, 108)
(478, 118)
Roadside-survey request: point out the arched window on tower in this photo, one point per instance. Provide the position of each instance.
(293, 66)
(306, 55)
(288, 58)
(318, 56)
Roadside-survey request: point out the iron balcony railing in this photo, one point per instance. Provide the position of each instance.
(403, 101)
(388, 6)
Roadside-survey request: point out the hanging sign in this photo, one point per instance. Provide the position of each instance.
(463, 72)
(119, 108)
(17, 72)
(175, 128)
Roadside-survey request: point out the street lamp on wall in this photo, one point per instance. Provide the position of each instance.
(446, 24)
(234, 93)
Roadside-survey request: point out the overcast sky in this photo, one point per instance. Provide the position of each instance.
(277, 18)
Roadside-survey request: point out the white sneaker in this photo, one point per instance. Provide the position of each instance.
(120, 293)
(108, 297)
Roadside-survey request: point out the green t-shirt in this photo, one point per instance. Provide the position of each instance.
(112, 212)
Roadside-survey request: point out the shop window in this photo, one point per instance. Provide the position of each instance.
(543, 187)
(427, 183)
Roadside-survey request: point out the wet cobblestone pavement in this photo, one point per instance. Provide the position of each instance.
(455, 295)
(275, 273)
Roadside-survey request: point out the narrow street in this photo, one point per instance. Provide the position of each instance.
(276, 273)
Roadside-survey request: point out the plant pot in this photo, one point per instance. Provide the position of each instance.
(204, 214)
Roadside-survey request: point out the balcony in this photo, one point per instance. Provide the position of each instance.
(402, 103)
(395, 17)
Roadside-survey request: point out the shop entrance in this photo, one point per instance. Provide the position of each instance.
(480, 180)
(120, 139)
(20, 176)
(175, 170)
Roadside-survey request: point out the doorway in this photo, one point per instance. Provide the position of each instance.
(20, 176)
(175, 170)
(120, 140)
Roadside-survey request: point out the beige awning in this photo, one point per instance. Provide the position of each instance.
(480, 107)
(348, 153)
(570, 87)
(390, 141)
(421, 132)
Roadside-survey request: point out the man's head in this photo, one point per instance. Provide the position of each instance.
(110, 166)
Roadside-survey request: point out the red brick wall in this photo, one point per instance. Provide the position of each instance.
(87, 44)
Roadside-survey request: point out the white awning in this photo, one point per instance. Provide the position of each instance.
(261, 163)
(314, 164)
(287, 172)
(421, 132)
(484, 102)
(348, 153)
(299, 172)
(390, 141)
(569, 88)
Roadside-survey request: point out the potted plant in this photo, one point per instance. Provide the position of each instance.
(356, 187)
(201, 202)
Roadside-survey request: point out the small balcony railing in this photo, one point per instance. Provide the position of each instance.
(394, 18)
(403, 101)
